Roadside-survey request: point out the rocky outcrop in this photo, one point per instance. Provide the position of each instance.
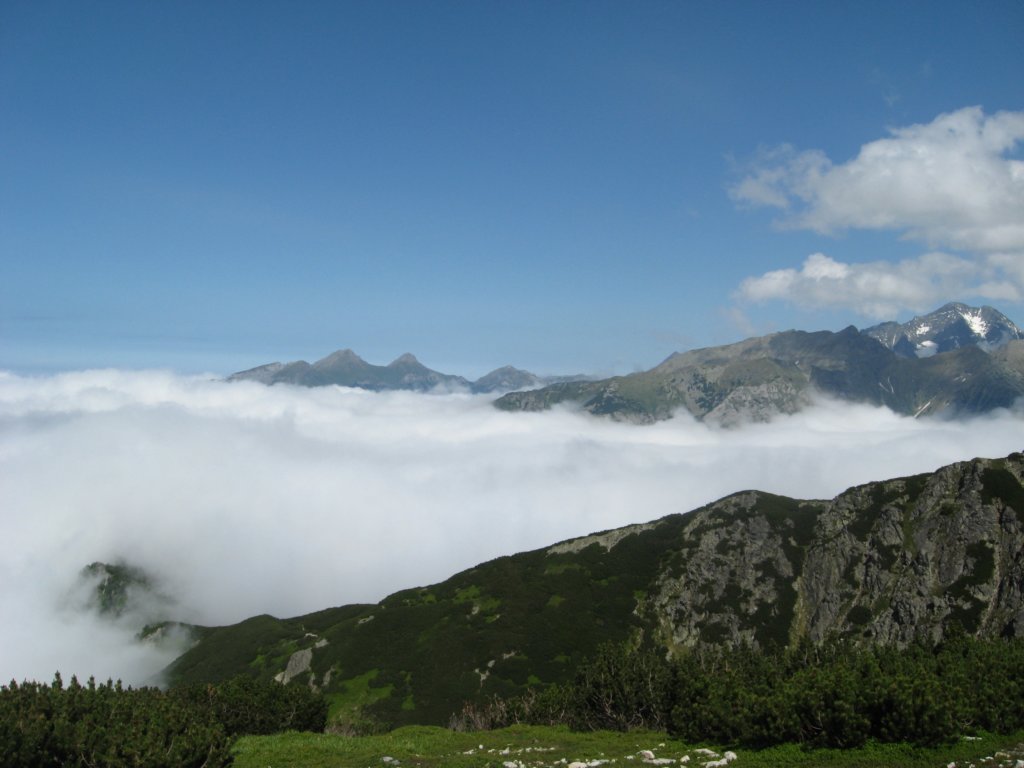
(906, 559)
(890, 562)
(298, 663)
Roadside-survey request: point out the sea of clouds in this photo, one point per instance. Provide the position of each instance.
(244, 499)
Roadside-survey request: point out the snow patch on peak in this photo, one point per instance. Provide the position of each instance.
(975, 322)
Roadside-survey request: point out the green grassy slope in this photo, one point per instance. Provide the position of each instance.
(493, 629)
(751, 568)
(431, 747)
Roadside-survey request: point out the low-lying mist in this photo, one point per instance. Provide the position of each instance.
(243, 499)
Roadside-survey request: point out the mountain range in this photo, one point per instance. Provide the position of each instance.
(957, 359)
(889, 562)
(345, 368)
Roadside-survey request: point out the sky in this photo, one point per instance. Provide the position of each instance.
(562, 186)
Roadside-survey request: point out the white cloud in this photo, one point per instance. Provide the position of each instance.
(952, 183)
(880, 289)
(244, 499)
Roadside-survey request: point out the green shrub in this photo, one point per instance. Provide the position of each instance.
(244, 705)
(836, 695)
(107, 725)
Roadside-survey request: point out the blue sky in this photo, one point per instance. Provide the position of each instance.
(563, 186)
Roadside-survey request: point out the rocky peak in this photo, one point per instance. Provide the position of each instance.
(951, 326)
(341, 358)
(405, 360)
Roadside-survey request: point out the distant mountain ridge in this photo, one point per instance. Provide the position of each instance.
(959, 359)
(889, 562)
(347, 369)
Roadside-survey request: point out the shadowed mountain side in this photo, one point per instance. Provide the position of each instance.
(887, 562)
(761, 377)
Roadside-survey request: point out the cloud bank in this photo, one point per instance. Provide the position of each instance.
(244, 499)
(953, 183)
(878, 289)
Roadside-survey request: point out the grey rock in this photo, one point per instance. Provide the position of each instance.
(890, 562)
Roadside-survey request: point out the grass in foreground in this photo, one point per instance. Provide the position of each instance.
(540, 747)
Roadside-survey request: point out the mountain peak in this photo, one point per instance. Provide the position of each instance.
(406, 359)
(341, 357)
(951, 326)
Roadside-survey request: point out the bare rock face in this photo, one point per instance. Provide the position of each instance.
(906, 559)
(298, 663)
(734, 577)
(890, 562)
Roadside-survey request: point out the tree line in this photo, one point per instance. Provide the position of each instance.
(105, 724)
(834, 695)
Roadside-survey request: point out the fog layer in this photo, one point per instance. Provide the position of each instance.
(244, 499)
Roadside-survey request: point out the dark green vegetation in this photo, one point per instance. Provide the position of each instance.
(76, 726)
(830, 698)
(114, 584)
(836, 695)
(895, 563)
(491, 630)
(555, 747)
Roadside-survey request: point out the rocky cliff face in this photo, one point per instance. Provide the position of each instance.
(888, 562)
